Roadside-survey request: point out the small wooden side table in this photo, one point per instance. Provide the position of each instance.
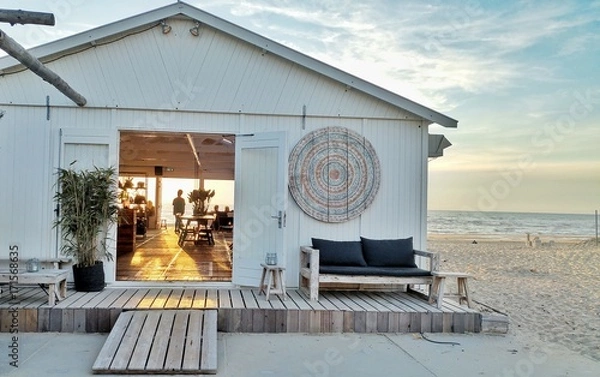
(272, 281)
(56, 280)
(438, 287)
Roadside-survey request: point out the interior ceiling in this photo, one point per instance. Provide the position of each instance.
(180, 155)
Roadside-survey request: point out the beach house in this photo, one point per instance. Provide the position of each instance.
(176, 92)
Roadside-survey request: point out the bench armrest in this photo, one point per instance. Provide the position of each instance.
(309, 271)
(309, 257)
(434, 259)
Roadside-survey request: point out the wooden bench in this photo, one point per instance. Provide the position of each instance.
(311, 278)
(55, 279)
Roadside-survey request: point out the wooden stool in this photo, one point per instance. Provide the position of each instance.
(438, 286)
(274, 283)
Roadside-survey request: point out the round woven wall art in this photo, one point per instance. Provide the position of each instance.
(334, 174)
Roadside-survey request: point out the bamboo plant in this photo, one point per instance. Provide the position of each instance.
(87, 201)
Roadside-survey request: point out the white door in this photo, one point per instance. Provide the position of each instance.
(85, 149)
(260, 203)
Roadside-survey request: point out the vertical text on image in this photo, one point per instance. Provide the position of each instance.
(13, 280)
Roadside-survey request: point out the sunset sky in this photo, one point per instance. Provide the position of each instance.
(521, 77)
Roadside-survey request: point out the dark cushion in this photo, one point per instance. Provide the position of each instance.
(389, 253)
(374, 271)
(339, 253)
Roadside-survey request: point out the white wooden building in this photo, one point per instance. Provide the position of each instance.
(140, 81)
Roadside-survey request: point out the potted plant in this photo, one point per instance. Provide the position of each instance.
(200, 199)
(87, 201)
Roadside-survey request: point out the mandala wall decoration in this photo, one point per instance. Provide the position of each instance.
(334, 174)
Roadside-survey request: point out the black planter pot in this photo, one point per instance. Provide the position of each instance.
(89, 279)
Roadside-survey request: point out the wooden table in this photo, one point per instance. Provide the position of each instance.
(55, 279)
(438, 287)
(202, 230)
(272, 280)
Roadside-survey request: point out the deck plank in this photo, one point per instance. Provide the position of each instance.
(249, 299)
(224, 299)
(339, 304)
(208, 359)
(140, 355)
(212, 299)
(34, 299)
(146, 301)
(199, 299)
(299, 300)
(95, 298)
(193, 341)
(72, 298)
(174, 299)
(236, 299)
(122, 300)
(112, 343)
(161, 341)
(174, 359)
(128, 343)
(136, 298)
(161, 298)
(187, 299)
(111, 297)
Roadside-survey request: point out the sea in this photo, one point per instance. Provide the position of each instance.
(511, 223)
(494, 223)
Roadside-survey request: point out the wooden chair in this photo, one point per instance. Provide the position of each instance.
(206, 232)
(186, 233)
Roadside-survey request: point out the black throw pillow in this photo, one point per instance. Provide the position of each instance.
(389, 253)
(339, 253)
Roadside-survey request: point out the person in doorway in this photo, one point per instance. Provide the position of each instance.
(178, 209)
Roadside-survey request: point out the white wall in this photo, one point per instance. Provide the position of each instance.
(212, 83)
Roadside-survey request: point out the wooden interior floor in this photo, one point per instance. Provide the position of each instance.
(158, 257)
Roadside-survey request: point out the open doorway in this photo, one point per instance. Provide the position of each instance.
(148, 246)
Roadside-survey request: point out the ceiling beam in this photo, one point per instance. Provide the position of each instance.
(191, 141)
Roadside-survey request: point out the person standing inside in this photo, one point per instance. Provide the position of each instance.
(178, 209)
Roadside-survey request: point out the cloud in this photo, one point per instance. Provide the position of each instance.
(429, 53)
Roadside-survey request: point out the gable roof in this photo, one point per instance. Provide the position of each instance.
(132, 24)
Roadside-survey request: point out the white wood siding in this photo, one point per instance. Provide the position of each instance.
(26, 187)
(213, 72)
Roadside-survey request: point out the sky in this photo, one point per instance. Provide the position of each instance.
(521, 77)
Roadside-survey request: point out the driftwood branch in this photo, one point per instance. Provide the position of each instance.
(26, 17)
(18, 52)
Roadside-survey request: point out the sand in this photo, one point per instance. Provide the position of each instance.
(551, 293)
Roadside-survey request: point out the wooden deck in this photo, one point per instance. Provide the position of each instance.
(161, 342)
(240, 310)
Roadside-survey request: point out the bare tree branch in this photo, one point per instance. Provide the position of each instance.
(26, 17)
(18, 52)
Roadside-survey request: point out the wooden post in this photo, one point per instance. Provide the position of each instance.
(18, 52)
(26, 17)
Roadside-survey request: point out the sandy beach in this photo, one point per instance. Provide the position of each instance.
(550, 292)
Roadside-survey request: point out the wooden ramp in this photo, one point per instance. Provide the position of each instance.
(161, 342)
